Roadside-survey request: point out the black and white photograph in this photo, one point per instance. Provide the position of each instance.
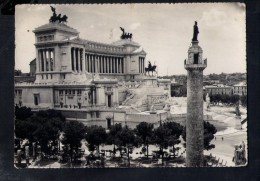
(130, 85)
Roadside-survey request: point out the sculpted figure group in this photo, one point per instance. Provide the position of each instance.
(126, 35)
(57, 18)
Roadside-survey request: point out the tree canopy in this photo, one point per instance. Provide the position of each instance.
(95, 135)
(209, 131)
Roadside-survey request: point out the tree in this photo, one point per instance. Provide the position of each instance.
(161, 136)
(176, 132)
(126, 138)
(22, 112)
(244, 100)
(95, 135)
(111, 138)
(209, 131)
(47, 133)
(212, 98)
(50, 123)
(51, 113)
(24, 129)
(234, 99)
(74, 132)
(145, 131)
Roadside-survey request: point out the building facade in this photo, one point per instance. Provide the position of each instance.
(240, 89)
(62, 56)
(223, 90)
(86, 80)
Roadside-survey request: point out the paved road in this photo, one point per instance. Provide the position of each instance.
(225, 149)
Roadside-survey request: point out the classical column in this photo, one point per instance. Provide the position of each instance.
(79, 61)
(74, 59)
(110, 66)
(53, 59)
(119, 65)
(123, 65)
(102, 64)
(116, 65)
(89, 63)
(44, 59)
(49, 59)
(106, 64)
(92, 64)
(39, 61)
(97, 64)
(86, 61)
(113, 65)
(115, 70)
(141, 65)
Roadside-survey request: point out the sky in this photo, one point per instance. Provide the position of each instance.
(163, 30)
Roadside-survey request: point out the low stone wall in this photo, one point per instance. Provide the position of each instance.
(150, 118)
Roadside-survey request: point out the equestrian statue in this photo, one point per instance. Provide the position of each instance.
(150, 68)
(54, 18)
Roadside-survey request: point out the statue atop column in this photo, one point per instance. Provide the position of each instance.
(195, 32)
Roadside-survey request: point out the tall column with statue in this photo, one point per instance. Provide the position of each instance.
(194, 120)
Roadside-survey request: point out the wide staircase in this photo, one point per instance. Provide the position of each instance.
(139, 95)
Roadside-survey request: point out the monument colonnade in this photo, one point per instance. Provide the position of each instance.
(46, 59)
(104, 64)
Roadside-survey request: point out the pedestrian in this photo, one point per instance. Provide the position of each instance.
(215, 138)
(222, 138)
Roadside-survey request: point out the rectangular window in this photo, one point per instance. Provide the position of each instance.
(36, 99)
(196, 58)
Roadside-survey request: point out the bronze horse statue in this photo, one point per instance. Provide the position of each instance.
(150, 69)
